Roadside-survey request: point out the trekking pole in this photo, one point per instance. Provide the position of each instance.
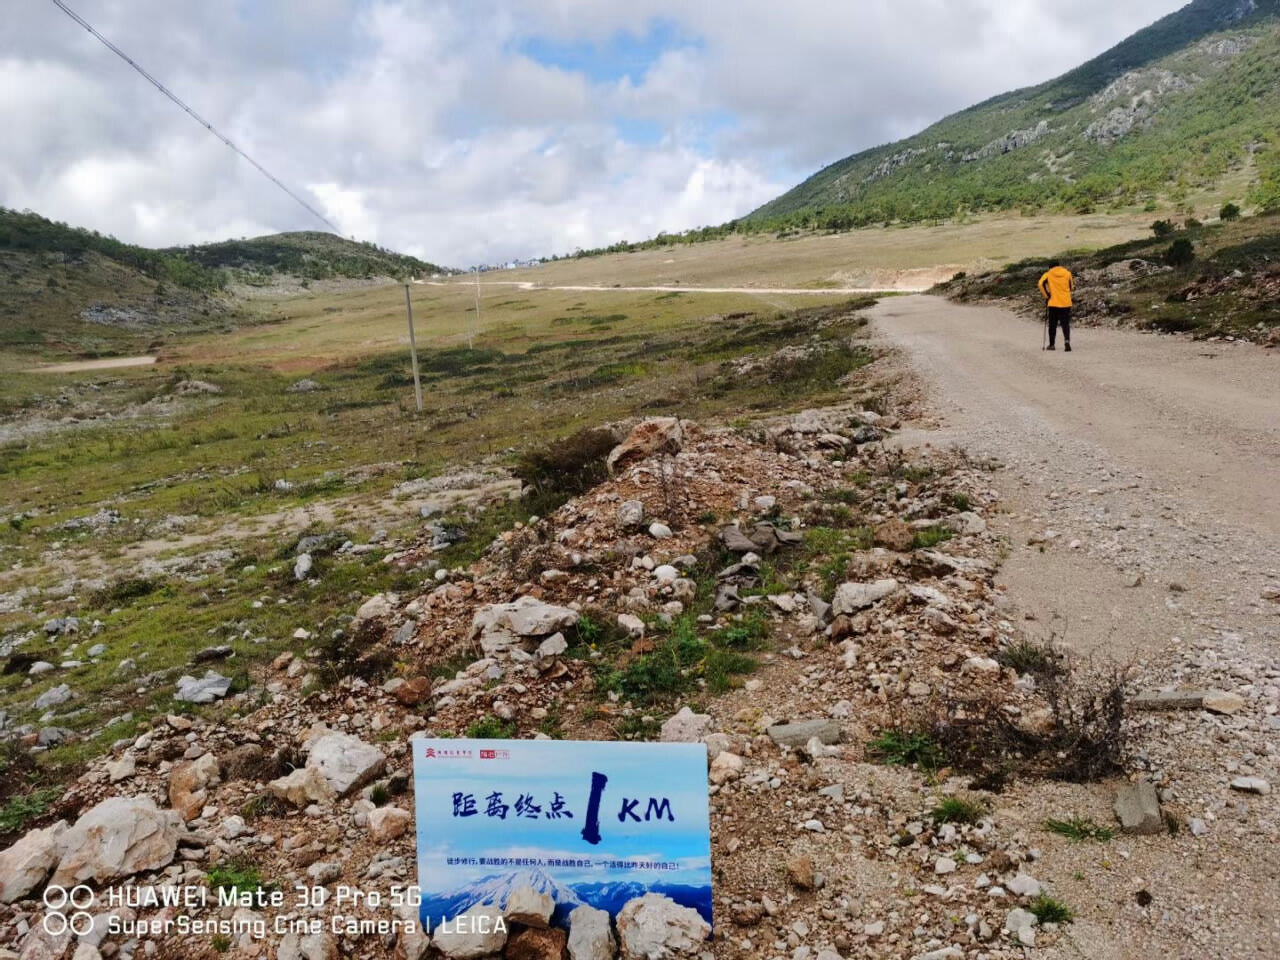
(1044, 338)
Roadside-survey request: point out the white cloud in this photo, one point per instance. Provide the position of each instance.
(421, 125)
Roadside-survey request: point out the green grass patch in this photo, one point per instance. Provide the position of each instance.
(18, 811)
(930, 537)
(959, 810)
(491, 728)
(239, 875)
(905, 748)
(1049, 910)
(1079, 829)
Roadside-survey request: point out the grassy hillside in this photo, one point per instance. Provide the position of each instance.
(1221, 280)
(310, 255)
(69, 291)
(1186, 105)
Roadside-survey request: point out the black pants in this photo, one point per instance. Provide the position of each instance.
(1060, 315)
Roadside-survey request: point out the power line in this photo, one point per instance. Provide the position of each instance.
(195, 116)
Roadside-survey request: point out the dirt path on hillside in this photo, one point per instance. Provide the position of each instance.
(1139, 481)
(79, 366)
(679, 288)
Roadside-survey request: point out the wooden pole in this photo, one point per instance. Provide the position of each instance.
(413, 350)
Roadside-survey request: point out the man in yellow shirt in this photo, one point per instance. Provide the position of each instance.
(1057, 285)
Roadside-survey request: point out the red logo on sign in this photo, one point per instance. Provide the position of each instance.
(488, 754)
(431, 752)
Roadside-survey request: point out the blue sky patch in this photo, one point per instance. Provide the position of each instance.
(624, 54)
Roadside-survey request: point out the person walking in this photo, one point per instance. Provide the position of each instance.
(1057, 285)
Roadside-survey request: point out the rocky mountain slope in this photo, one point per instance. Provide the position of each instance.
(818, 609)
(1187, 104)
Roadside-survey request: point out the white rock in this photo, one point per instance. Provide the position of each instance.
(591, 935)
(630, 514)
(660, 531)
(212, 686)
(725, 767)
(529, 907)
(666, 573)
(117, 838)
(388, 823)
(980, 665)
(685, 727)
(121, 769)
(632, 624)
(53, 697)
(852, 597)
(1024, 885)
(346, 762)
(1251, 785)
(25, 865)
(377, 607)
(302, 787)
(480, 932)
(302, 566)
(234, 827)
(944, 865)
(553, 646)
(654, 927)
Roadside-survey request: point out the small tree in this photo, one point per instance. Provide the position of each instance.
(1229, 212)
(1180, 253)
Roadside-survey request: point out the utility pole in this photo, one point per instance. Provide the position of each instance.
(413, 350)
(471, 337)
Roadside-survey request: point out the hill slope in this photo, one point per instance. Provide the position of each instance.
(67, 290)
(1176, 107)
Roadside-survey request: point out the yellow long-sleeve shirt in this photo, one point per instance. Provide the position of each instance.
(1056, 285)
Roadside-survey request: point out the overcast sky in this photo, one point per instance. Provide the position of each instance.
(476, 130)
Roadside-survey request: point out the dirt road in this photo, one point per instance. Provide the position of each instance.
(1158, 455)
(677, 288)
(79, 366)
(1140, 477)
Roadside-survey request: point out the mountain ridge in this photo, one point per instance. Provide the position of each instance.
(1116, 129)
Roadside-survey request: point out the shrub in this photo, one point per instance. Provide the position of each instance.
(236, 875)
(570, 466)
(1229, 211)
(1180, 253)
(1037, 659)
(1162, 228)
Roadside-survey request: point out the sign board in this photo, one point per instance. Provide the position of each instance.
(588, 823)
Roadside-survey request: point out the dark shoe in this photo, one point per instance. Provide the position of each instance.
(1051, 347)
(1067, 348)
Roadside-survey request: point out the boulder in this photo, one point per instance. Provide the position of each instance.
(302, 787)
(590, 935)
(188, 781)
(529, 907)
(1138, 808)
(117, 838)
(852, 597)
(1228, 704)
(894, 534)
(53, 697)
(685, 727)
(25, 865)
(650, 437)
(800, 733)
(388, 823)
(501, 626)
(377, 607)
(302, 567)
(480, 932)
(654, 927)
(212, 686)
(630, 515)
(725, 767)
(536, 943)
(346, 762)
